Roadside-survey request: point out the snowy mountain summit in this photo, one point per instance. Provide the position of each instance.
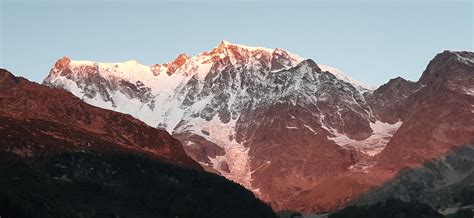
(240, 111)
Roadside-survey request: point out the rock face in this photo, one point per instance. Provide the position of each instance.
(431, 154)
(440, 115)
(390, 101)
(282, 126)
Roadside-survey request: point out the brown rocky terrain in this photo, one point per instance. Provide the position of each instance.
(440, 115)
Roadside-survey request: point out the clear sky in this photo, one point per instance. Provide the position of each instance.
(371, 41)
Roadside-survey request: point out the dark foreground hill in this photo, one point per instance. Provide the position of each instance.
(92, 184)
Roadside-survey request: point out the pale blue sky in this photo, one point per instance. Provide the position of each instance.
(371, 41)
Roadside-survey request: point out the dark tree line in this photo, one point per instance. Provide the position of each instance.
(85, 184)
(392, 208)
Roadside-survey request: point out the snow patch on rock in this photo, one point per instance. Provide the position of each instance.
(374, 144)
(465, 60)
(469, 91)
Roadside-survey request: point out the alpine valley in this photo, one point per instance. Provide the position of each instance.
(300, 135)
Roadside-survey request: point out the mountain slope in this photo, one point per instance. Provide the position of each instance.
(27, 102)
(440, 114)
(63, 158)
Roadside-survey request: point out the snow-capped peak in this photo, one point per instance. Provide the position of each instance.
(131, 62)
(225, 43)
(296, 59)
(236, 54)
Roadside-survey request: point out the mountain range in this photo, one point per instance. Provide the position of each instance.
(300, 135)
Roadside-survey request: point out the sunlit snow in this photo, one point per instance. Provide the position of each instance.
(381, 135)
